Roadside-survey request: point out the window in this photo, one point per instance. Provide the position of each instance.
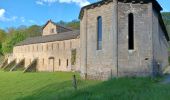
(52, 46)
(59, 62)
(43, 61)
(67, 63)
(52, 30)
(47, 47)
(99, 33)
(131, 32)
(37, 47)
(70, 44)
(58, 45)
(73, 56)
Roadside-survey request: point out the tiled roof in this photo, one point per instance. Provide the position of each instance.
(51, 38)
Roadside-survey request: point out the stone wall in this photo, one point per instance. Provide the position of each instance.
(49, 54)
(115, 58)
(97, 64)
(138, 61)
(160, 46)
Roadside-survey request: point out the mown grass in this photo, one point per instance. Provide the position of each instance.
(58, 86)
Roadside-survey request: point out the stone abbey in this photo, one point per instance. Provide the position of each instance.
(116, 38)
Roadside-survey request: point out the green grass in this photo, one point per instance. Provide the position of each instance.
(58, 86)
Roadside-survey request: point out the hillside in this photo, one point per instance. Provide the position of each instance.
(166, 18)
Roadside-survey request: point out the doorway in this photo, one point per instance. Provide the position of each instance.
(51, 64)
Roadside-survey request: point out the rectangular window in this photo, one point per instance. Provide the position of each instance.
(43, 61)
(131, 32)
(67, 62)
(59, 62)
(99, 33)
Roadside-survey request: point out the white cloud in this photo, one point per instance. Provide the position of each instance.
(31, 21)
(4, 18)
(2, 12)
(78, 2)
(39, 3)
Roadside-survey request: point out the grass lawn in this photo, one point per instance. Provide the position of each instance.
(58, 86)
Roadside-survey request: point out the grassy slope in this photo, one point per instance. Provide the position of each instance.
(58, 86)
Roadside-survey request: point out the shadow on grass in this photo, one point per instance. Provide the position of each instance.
(116, 89)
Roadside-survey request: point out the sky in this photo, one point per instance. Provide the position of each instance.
(14, 13)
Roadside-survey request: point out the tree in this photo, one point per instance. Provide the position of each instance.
(2, 38)
(75, 24)
(33, 31)
(11, 41)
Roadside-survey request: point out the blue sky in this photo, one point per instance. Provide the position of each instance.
(14, 13)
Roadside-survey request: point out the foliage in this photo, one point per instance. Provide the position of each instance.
(16, 37)
(166, 17)
(74, 24)
(2, 38)
(33, 31)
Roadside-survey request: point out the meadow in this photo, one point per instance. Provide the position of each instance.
(58, 86)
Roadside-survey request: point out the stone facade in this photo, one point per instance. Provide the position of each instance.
(115, 59)
(53, 55)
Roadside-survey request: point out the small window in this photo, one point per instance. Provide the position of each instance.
(52, 30)
(59, 62)
(99, 33)
(131, 31)
(52, 46)
(37, 47)
(73, 56)
(67, 63)
(43, 61)
(58, 46)
(47, 47)
(70, 44)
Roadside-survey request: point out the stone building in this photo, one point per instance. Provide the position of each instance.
(122, 38)
(116, 38)
(53, 50)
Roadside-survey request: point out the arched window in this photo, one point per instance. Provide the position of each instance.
(99, 33)
(131, 31)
